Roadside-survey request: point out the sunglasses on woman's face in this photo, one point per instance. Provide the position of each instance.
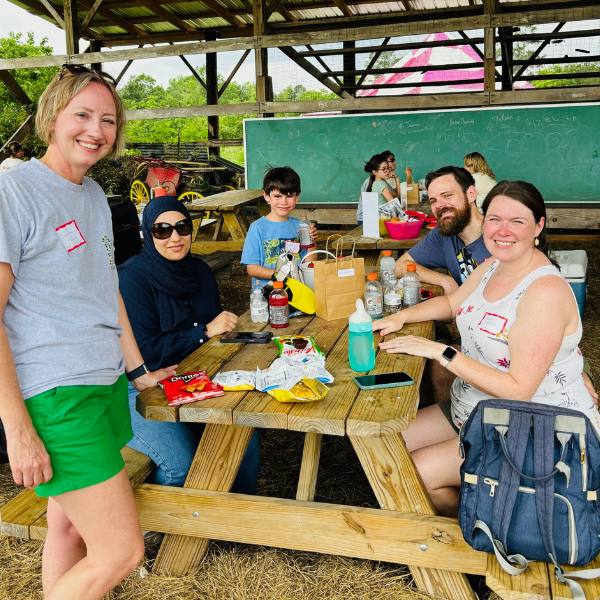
(163, 231)
(80, 69)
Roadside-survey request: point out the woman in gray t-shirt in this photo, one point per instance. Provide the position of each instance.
(65, 341)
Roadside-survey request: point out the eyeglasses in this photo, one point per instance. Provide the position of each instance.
(82, 69)
(384, 169)
(163, 231)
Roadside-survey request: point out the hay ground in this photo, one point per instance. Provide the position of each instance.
(239, 572)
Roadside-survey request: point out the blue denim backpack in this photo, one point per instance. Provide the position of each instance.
(529, 487)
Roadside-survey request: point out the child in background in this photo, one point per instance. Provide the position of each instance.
(270, 236)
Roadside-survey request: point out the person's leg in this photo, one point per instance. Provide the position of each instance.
(171, 446)
(439, 467)
(246, 480)
(430, 427)
(105, 517)
(63, 546)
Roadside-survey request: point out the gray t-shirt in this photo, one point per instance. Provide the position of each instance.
(62, 311)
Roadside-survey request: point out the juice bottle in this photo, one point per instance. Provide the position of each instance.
(279, 310)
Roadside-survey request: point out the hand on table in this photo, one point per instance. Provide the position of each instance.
(150, 379)
(389, 324)
(28, 458)
(414, 345)
(222, 323)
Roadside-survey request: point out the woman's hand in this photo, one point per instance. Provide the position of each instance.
(389, 324)
(222, 323)
(29, 460)
(414, 345)
(150, 379)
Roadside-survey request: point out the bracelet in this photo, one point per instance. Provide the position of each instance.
(137, 372)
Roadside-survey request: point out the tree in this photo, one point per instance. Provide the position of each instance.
(33, 81)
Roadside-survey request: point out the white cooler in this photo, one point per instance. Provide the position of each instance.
(573, 267)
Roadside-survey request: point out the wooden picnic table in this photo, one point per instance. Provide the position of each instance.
(231, 225)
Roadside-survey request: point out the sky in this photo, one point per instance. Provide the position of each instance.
(16, 19)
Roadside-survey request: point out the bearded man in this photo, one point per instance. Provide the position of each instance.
(456, 243)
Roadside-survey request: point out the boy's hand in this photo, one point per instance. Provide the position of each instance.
(313, 231)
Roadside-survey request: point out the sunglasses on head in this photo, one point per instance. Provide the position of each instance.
(391, 158)
(82, 69)
(163, 231)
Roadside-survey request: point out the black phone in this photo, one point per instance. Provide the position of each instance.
(383, 380)
(246, 337)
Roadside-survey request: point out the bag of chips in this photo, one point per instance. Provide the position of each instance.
(234, 381)
(298, 348)
(189, 387)
(306, 390)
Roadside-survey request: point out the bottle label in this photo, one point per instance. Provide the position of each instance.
(279, 315)
(388, 277)
(304, 235)
(392, 302)
(411, 296)
(374, 305)
(259, 313)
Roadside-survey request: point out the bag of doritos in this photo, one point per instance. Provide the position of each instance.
(189, 387)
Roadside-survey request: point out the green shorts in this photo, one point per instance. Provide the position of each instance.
(83, 428)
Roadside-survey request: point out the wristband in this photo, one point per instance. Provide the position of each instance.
(138, 372)
(447, 355)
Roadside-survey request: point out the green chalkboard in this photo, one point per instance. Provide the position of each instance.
(557, 148)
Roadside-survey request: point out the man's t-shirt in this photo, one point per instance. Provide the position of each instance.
(437, 251)
(266, 241)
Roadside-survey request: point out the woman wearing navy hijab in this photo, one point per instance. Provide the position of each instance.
(173, 304)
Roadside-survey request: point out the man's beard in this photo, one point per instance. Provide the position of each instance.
(455, 224)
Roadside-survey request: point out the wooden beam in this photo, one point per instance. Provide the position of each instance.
(343, 8)
(193, 71)
(223, 13)
(15, 90)
(373, 61)
(167, 15)
(107, 13)
(21, 133)
(537, 52)
(71, 26)
(539, 17)
(123, 71)
(264, 83)
(193, 111)
(90, 15)
(59, 20)
(233, 72)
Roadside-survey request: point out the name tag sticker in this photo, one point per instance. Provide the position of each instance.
(346, 272)
(70, 235)
(492, 323)
(293, 247)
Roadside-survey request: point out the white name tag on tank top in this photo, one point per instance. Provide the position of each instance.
(70, 235)
(492, 323)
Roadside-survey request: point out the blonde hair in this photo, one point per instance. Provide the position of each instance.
(61, 90)
(478, 163)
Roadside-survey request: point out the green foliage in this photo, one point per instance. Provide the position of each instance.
(33, 81)
(589, 67)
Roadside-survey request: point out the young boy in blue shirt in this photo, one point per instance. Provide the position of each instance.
(270, 236)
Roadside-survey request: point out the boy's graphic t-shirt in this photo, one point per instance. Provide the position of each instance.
(266, 241)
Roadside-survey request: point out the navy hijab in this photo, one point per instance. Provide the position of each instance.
(175, 280)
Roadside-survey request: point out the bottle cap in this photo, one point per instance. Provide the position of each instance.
(411, 267)
(387, 252)
(372, 276)
(278, 285)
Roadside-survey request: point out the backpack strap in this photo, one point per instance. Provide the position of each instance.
(567, 578)
(517, 433)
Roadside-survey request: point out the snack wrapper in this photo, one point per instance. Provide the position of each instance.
(306, 390)
(189, 387)
(298, 348)
(234, 381)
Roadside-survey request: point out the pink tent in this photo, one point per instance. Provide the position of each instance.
(439, 55)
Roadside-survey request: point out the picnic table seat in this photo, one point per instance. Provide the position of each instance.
(25, 515)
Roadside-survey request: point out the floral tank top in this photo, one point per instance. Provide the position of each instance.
(484, 328)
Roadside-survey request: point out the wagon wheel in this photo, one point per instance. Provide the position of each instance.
(139, 192)
(225, 188)
(189, 196)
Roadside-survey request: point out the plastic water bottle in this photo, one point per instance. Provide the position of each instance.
(387, 269)
(361, 343)
(374, 296)
(392, 297)
(259, 307)
(411, 285)
(304, 236)
(279, 310)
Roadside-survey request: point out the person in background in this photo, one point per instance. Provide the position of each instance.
(17, 153)
(65, 341)
(173, 302)
(392, 179)
(277, 232)
(378, 169)
(482, 173)
(512, 346)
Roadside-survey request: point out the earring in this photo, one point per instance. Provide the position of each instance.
(536, 242)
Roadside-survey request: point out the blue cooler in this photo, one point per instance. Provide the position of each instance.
(573, 267)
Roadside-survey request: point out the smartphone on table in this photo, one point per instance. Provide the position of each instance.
(246, 337)
(383, 380)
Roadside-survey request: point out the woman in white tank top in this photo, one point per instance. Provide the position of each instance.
(520, 329)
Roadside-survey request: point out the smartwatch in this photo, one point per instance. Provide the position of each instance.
(447, 355)
(137, 372)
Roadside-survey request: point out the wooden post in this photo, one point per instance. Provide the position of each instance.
(96, 46)
(489, 49)
(212, 93)
(71, 26)
(506, 45)
(264, 85)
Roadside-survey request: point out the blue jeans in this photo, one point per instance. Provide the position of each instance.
(171, 446)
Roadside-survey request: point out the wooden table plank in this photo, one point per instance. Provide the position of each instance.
(226, 201)
(561, 591)
(309, 468)
(532, 585)
(384, 411)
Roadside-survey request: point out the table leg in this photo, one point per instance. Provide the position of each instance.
(236, 229)
(307, 482)
(214, 468)
(398, 486)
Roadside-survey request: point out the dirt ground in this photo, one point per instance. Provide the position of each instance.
(239, 572)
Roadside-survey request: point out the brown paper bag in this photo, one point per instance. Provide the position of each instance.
(339, 282)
